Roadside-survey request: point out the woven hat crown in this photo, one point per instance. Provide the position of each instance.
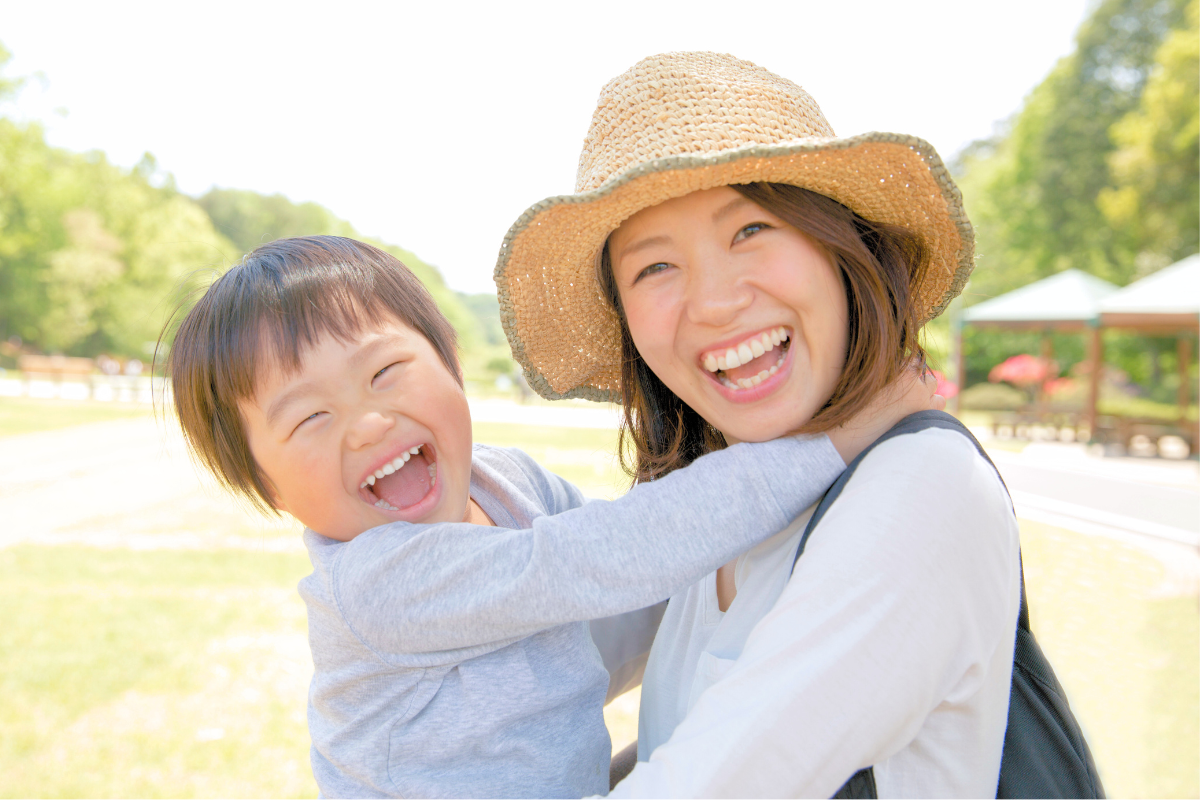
(692, 103)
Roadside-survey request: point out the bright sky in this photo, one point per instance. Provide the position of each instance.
(434, 125)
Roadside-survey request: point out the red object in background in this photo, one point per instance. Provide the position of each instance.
(946, 389)
(1056, 386)
(1023, 370)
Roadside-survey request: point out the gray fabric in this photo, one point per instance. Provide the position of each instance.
(454, 660)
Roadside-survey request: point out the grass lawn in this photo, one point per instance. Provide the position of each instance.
(183, 674)
(152, 674)
(28, 415)
(1127, 650)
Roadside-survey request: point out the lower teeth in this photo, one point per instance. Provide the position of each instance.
(750, 383)
(385, 505)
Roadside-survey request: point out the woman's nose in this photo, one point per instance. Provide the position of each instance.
(369, 429)
(716, 293)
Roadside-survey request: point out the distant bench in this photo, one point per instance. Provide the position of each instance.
(78, 379)
(1122, 430)
(1115, 430)
(57, 367)
(1022, 422)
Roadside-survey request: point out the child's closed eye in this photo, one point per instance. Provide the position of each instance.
(310, 418)
(386, 371)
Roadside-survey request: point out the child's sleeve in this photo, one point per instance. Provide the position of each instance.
(554, 494)
(450, 591)
(623, 640)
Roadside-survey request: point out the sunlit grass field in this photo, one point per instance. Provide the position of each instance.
(183, 672)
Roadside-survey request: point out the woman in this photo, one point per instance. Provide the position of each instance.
(729, 270)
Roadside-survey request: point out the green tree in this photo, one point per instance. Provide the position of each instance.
(94, 258)
(250, 219)
(1155, 198)
(1033, 190)
(91, 253)
(77, 278)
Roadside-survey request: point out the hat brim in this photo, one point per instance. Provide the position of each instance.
(565, 335)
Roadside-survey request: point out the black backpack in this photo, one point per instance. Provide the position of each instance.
(1045, 754)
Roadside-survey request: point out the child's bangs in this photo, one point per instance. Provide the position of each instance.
(307, 311)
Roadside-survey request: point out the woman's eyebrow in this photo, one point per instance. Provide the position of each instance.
(730, 207)
(642, 244)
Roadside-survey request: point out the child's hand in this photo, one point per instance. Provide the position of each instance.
(915, 390)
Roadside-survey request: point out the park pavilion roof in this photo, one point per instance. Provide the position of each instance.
(1172, 291)
(1069, 299)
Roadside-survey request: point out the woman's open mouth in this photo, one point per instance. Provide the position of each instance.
(403, 482)
(751, 361)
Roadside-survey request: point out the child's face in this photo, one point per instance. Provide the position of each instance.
(353, 411)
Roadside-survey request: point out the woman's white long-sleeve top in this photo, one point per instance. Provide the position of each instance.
(890, 646)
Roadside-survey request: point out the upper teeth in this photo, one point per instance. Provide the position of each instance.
(747, 351)
(390, 467)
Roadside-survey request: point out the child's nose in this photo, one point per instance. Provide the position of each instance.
(369, 429)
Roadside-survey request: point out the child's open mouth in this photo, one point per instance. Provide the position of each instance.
(750, 362)
(402, 482)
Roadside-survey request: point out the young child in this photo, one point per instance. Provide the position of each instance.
(318, 378)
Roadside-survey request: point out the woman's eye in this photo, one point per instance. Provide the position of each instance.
(750, 230)
(653, 269)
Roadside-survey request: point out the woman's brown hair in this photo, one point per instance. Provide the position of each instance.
(879, 265)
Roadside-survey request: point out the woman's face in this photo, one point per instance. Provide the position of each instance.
(739, 314)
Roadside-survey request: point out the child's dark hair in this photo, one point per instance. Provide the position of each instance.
(267, 310)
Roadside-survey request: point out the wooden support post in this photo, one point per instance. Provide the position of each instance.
(1043, 400)
(1096, 361)
(1183, 354)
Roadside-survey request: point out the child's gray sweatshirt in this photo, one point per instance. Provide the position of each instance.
(454, 660)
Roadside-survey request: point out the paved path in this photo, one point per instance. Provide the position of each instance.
(118, 484)
(1151, 497)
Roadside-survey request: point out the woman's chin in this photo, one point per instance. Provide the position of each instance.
(755, 433)
(780, 415)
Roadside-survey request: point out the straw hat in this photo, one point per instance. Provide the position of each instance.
(678, 123)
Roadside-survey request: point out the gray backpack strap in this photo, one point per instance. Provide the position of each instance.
(1045, 754)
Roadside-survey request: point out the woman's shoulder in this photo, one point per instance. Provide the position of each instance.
(933, 459)
(930, 486)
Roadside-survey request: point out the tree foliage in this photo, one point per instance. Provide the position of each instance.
(1154, 201)
(90, 253)
(1039, 191)
(94, 258)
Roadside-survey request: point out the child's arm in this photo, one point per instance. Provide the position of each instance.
(432, 589)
